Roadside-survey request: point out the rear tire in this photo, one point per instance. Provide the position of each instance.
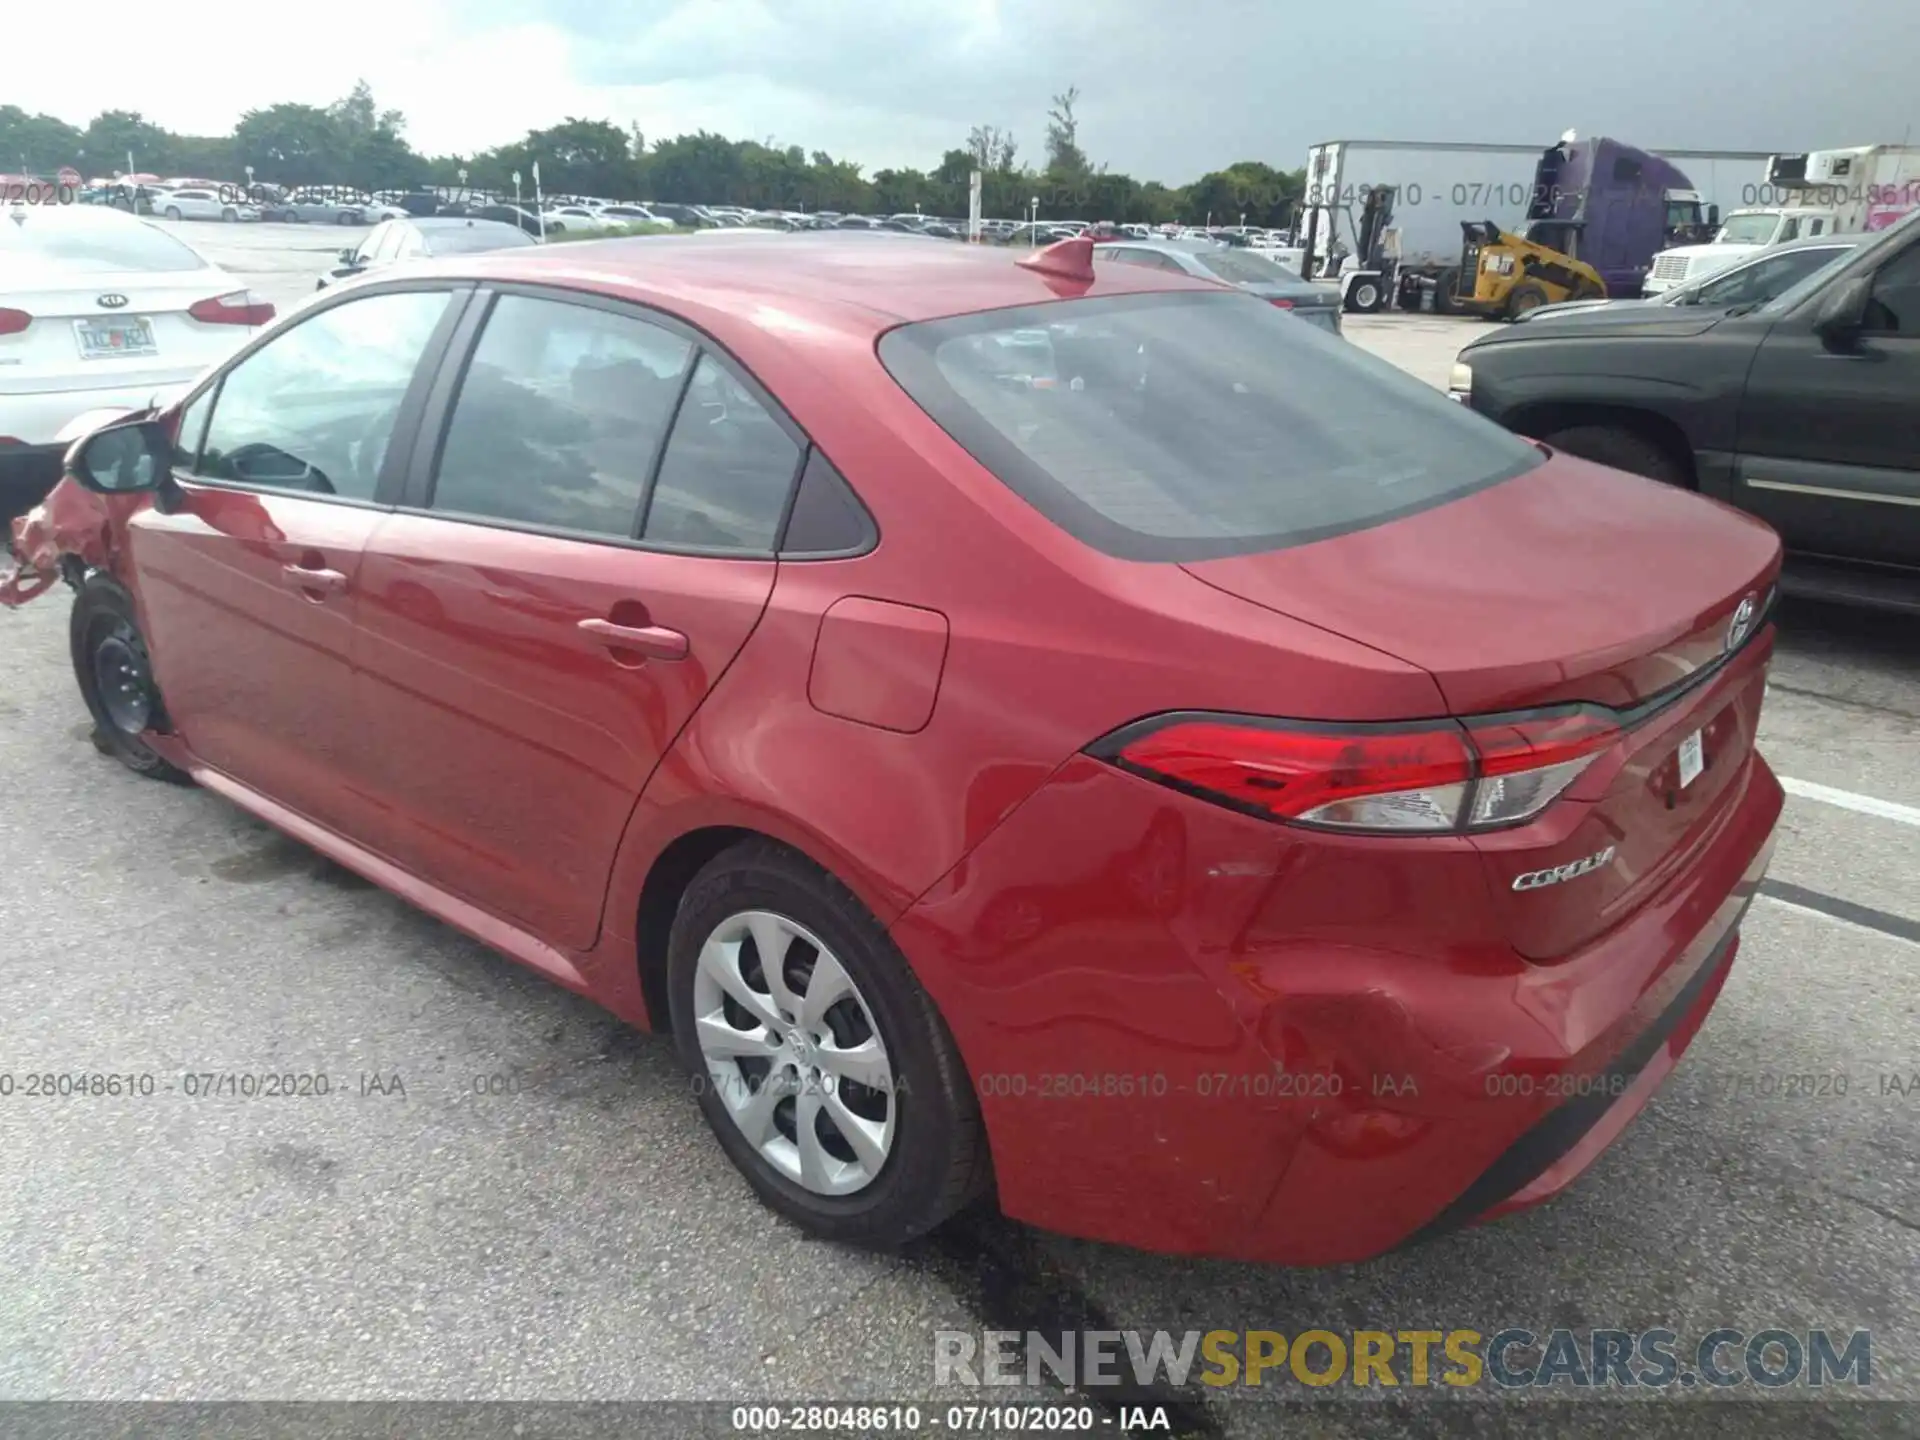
(933, 1158)
(1525, 298)
(229, 215)
(1623, 449)
(173, 212)
(110, 662)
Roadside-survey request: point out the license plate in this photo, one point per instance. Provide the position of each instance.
(115, 338)
(1693, 759)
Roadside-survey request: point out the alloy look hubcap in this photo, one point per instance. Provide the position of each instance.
(793, 1053)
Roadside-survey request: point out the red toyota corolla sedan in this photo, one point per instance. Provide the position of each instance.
(1084, 736)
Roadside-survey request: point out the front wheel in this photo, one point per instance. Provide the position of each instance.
(116, 678)
(1527, 297)
(229, 215)
(823, 1068)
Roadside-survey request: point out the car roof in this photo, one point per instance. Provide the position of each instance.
(432, 223)
(786, 282)
(1811, 242)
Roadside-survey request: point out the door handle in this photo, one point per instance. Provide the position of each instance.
(302, 577)
(656, 641)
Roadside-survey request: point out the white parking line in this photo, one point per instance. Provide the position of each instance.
(1847, 800)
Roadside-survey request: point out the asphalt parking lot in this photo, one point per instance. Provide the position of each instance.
(577, 1235)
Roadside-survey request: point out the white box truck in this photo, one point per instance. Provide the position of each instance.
(1820, 192)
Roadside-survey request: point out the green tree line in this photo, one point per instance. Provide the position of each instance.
(354, 142)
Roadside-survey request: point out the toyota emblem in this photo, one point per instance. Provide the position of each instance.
(1741, 625)
(113, 302)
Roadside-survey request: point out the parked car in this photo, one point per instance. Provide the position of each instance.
(649, 640)
(1755, 280)
(688, 217)
(520, 218)
(1315, 303)
(634, 215)
(98, 311)
(203, 205)
(429, 237)
(1799, 409)
(562, 218)
(308, 206)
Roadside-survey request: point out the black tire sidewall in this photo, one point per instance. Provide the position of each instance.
(907, 1198)
(102, 600)
(1526, 287)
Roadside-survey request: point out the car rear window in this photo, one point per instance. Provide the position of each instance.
(93, 244)
(1187, 425)
(467, 240)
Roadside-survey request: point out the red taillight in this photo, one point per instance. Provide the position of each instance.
(12, 322)
(1283, 304)
(239, 308)
(1442, 777)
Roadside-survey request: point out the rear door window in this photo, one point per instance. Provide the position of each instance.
(1187, 425)
(728, 469)
(559, 417)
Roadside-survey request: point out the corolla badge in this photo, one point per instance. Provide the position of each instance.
(1573, 870)
(1741, 625)
(113, 302)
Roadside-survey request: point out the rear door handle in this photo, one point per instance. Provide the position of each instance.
(302, 577)
(656, 641)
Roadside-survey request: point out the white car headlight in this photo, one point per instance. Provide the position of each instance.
(1460, 381)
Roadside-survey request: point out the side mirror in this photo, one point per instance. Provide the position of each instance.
(1713, 216)
(122, 459)
(347, 258)
(1843, 313)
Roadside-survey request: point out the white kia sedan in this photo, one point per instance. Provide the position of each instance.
(99, 311)
(203, 205)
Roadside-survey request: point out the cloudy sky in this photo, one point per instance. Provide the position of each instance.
(1171, 88)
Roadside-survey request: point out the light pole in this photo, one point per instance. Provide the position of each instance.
(463, 182)
(249, 170)
(1033, 222)
(516, 190)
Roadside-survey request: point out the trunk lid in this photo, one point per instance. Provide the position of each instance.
(1570, 584)
(69, 345)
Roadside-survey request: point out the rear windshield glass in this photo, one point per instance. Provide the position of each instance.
(92, 245)
(463, 240)
(1184, 425)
